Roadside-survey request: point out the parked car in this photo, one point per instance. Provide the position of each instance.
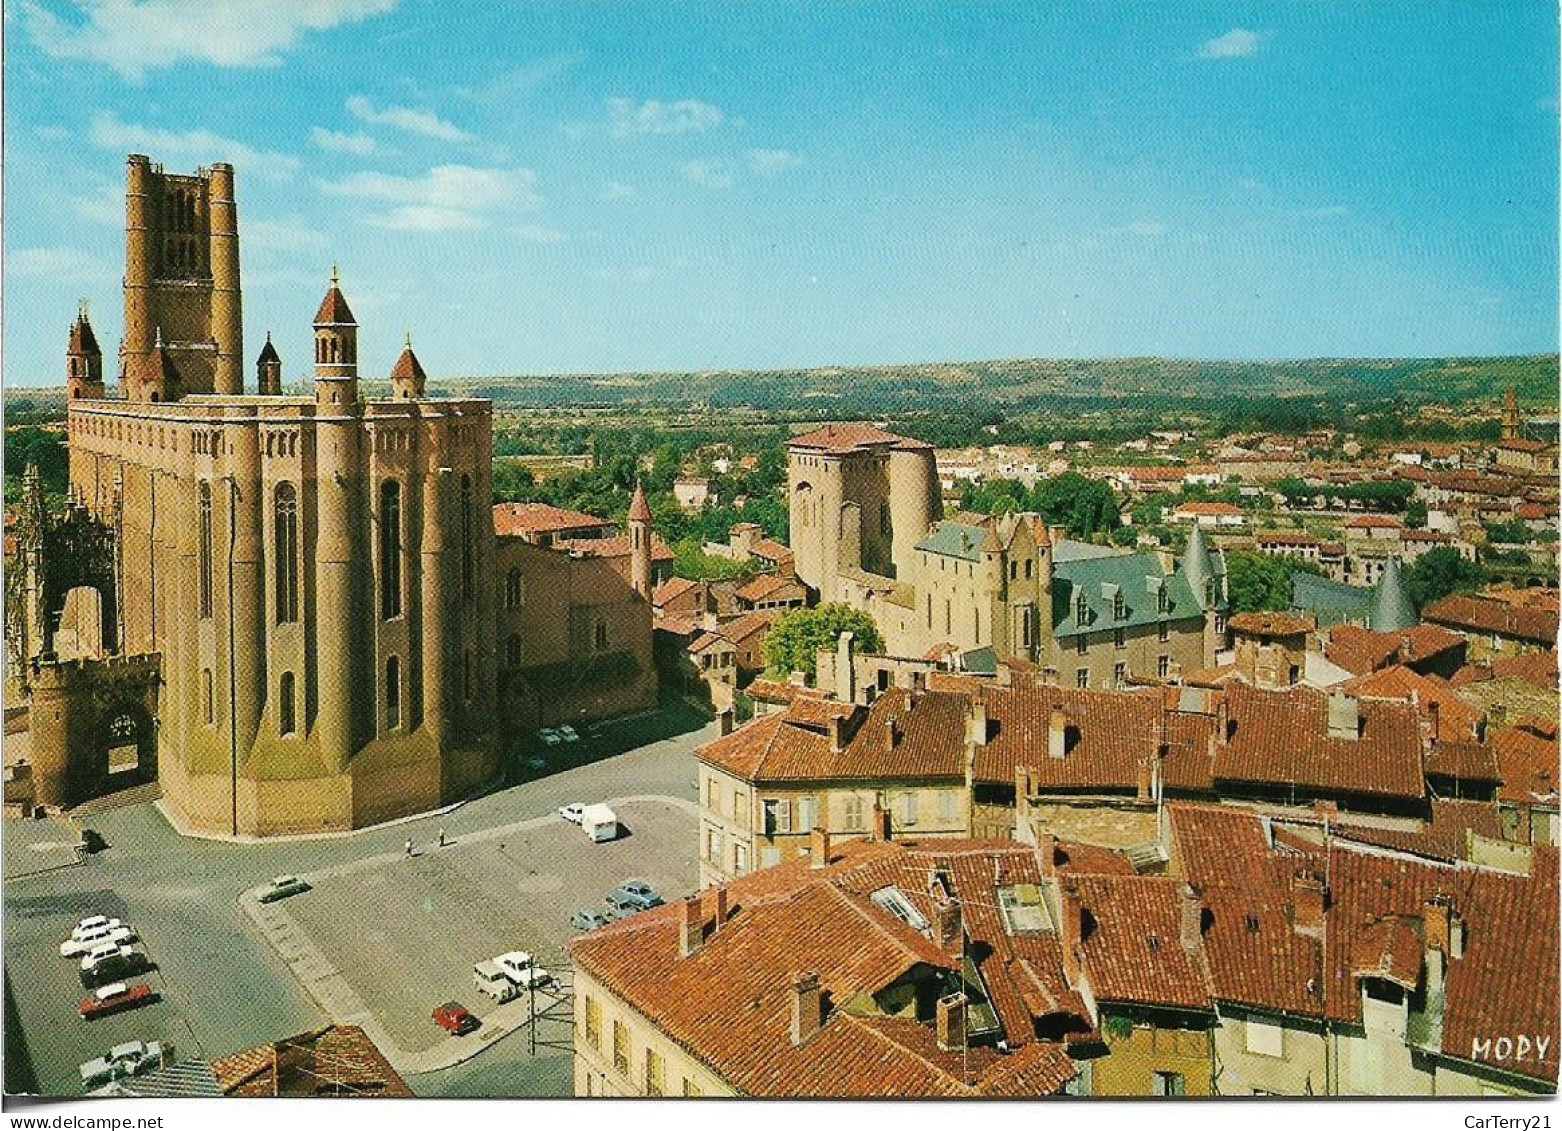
(129, 1059)
(124, 963)
(518, 966)
(633, 896)
(92, 924)
(102, 952)
(282, 887)
(549, 737)
(114, 998)
(77, 945)
(568, 734)
(589, 919)
(493, 982)
(572, 812)
(454, 1017)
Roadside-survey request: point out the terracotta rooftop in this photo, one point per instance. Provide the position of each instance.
(770, 550)
(747, 625)
(1109, 737)
(338, 1060)
(639, 509)
(615, 547)
(1138, 948)
(1527, 765)
(408, 367)
(1210, 509)
(1457, 721)
(1281, 738)
(1477, 614)
(764, 586)
(729, 1002)
(1444, 837)
(1373, 522)
(1271, 624)
(334, 310)
(522, 519)
(671, 590)
(838, 439)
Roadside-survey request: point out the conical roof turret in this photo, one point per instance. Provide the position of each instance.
(334, 310)
(639, 509)
(1199, 568)
(1392, 610)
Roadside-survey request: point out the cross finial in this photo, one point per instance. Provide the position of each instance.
(84, 308)
(409, 339)
(336, 276)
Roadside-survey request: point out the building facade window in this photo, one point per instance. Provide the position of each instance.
(1170, 1084)
(593, 1022)
(655, 1074)
(1081, 645)
(392, 693)
(778, 817)
(739, 859)
(390, 549)
(512, 589)
(851, 813)
(466, 676)
(1119, 675)
(908, 808)
(600, 636)
(1119, 638)
(512, 650)
(1119, 607)
(808, 813)
(1163, 666)
(286, 706)
(467, 567)
(208, 713)
(621, 1047)
(206, 549)
(285, 537)
(1163, 631)
(1082, 677)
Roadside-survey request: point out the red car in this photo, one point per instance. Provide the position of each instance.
(454, 1017)
(113, 998)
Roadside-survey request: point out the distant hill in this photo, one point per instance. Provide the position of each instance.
(1007, 386)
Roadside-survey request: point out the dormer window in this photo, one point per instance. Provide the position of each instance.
(1119, 607)
(1162, 600)
(1081, 611)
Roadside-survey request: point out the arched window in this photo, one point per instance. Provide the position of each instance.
(512, 587)
(206, 549)
(390, 549)
(392, 693)
(512, 650)
(286, 539)
(466, 538)
(285, 715)
(207, 711)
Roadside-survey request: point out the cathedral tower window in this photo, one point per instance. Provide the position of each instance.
(466, 538)
(390, 549)
(206, 549)
(512, 587)
(392, 693)
(286, 723)
(286, 539)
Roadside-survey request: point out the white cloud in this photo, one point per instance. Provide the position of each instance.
(446, 198)
(616, 190)
(283, 235)
(711, 174)
(200, 147)
(64, 264)
(769, 162)
(1238, 43)
(537, 233)
(653, 117)
(360, 145)
(135, 36)
(424, 122)
(102, 203)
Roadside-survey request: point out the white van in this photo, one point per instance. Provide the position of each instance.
(600, 823)
(494, 982)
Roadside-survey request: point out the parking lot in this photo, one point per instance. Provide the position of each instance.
(224, 984)
(397, 935)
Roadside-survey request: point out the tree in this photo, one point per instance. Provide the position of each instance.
(1415, 515)
(1439, 572)
(796, 638)
(1258, 583)
(1084, 506)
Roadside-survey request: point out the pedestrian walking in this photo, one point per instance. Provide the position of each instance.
(442, 838)
(409, 846)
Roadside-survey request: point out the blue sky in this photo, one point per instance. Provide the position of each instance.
(541, 187)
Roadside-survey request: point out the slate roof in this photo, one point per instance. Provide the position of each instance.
(955, 540)
(1331, 602)
(1131, 575)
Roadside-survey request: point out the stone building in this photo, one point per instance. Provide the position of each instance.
(311, 574)
(867, 530)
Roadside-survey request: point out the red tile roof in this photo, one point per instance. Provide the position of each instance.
(1457, 721)
(771, 550)
(1282, 738)
(1373, 522)
(338, 1060)
(520, 519)
(765, 586)
(407, 367)
(615, 547)
(1210, 509)
(334, 310)
(747, 625)
(1477, 614)
(1135, 950)
(1271, 624)
(1111, 735)
(1538, 668)
(1444, 837)
(671, 589)
(841, 438)
(1527, 765)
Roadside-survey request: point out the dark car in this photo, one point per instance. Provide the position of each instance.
(116, 968)
(632, 896)
(455, 1018)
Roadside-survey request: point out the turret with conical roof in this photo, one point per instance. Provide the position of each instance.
(336, 349)
(407, 376)
(640, 543)
(83, 360)
(268, 370)
(1198, 566)
(1392, 610)
(159, 378)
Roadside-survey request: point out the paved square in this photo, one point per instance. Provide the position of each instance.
(394, 936)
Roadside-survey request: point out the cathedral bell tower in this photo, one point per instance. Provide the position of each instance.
(336, 350)
(84, 361)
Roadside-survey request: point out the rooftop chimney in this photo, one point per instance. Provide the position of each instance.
(837, 728)
(807, 1008)
(950, 1026)
(1057, 733)
(1444, 930)
(1344, 716)
(725, 722)
(818, 848)
(880, 827)
(1222, 720)
(892, 731)
(978, 722)
(691, 935)
(1309, 901)
(1072, 931)
(1191, 924)
(845, 669)
(948, 926)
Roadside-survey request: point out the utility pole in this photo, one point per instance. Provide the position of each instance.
(531, 987)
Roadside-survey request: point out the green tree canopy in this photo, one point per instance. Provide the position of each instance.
(1258, 583)
(1439, 572)
(796, 638)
